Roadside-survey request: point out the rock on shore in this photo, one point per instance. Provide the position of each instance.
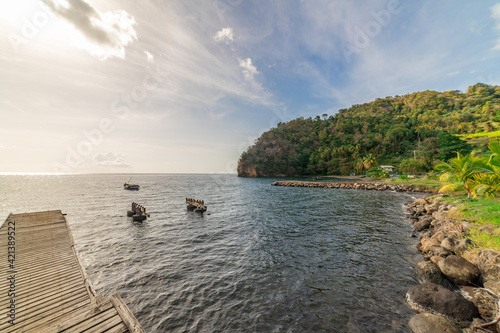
(352, 186)
(448, 272)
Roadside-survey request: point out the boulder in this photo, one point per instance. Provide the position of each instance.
(436, 259)
(459, 270)
(430, 323)
(462, 245)
(431, 297)
(449, 244)
(420, 202)
(427, 243)
(435, 250)
(431, 208)
(429, 272)
(422, 224)
(439, 236)
(441, 215)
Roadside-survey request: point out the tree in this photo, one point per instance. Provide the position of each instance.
(429, 150)
(460, 171)
(450, 145)
(369, 161)
(487, 182)
(412, 166)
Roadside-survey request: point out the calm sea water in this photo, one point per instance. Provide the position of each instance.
(264, 258)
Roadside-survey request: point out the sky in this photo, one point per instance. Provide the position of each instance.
(185, 86)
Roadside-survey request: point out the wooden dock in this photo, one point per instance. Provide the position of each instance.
(44, 286)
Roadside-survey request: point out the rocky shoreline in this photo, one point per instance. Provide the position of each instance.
(351, 186)
(459, 288)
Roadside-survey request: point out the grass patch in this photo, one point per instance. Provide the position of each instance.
(481, 211)
(485, 215)
(486, 239)
(432, 185)
(494, 134)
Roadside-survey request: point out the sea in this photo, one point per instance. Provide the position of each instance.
(261, 259)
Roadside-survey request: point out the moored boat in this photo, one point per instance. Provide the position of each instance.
(129, 186)
(196, 205)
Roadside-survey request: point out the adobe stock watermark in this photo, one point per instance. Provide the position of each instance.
(223, 6)
(121, 109)
(364, 35)
(30, 28)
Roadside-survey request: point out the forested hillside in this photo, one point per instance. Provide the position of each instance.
(428, 125)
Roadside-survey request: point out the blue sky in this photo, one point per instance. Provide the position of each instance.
(186, 86)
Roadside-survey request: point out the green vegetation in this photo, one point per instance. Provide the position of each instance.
(494, 134)
(482, 211)
(427, 126)
(484, 214)
(426, 184)
(479, 176)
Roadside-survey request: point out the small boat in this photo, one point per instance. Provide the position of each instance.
(318, 178)
(196, 205)
(129, 186)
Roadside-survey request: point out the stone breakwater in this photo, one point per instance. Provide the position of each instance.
(459, 287)
(352, 186)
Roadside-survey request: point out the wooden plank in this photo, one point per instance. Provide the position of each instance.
(70, 321)
(30, 305)
(127, 316)
(90, 287)
(95, 319)
(29, 271)
(29, 323)
(43, 279)
(105, 325)
(120, 328)
(41, 312)
(33, 290)
(23, 302)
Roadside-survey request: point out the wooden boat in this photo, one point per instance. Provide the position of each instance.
(128, 186)
(196, 205)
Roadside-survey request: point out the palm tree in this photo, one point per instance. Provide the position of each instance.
(488, 181)
(460, 171)
(369, 161)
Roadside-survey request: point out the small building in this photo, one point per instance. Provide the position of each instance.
(388, 168)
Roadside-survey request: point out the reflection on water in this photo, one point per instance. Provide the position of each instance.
(265, 259)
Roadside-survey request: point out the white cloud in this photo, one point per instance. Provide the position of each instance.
(111, 160)
(225, 35)
(495, 13)
(103, 35)
(249, 70)
(149, 56)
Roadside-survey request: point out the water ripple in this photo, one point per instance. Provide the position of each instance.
(265, 259)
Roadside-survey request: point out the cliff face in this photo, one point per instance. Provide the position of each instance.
(245, 170)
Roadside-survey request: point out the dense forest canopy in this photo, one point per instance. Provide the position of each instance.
(418, 128)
